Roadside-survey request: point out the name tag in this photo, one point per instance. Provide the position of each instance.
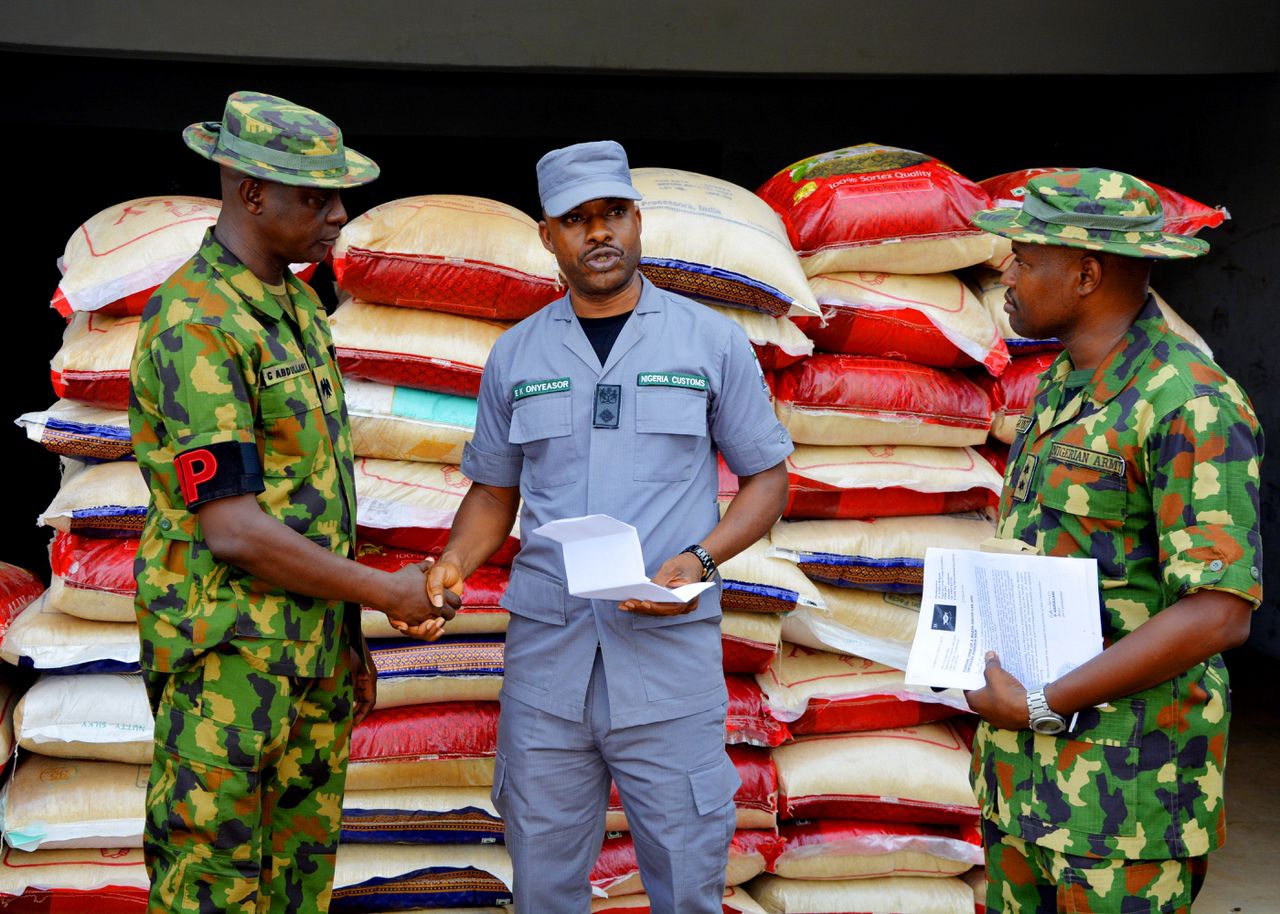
(1111, 464)
(671, 379)
(534, 388)
(1024, 424)
(274, 374)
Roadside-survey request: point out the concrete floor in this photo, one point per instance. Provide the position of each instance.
(1244, 875)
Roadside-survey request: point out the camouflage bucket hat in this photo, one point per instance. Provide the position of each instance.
(274, 139)
(1092, 208)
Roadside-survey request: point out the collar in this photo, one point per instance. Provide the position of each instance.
(234, 279)
(651, 300)
(1115, 372)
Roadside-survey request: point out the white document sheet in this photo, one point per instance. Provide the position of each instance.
(1040, 614)
(603, 561)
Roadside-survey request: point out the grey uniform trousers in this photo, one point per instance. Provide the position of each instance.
(551, 787)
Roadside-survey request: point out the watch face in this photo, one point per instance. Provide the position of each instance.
(1049, 726)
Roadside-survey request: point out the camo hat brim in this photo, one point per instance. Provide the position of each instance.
(1095, 209)
(271, 138)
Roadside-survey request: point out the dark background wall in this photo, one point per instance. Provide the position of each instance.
(92, 130)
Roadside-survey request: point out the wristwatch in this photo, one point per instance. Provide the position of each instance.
(1043, 718)
(703, 556)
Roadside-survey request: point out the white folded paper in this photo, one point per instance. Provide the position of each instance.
(603, 561)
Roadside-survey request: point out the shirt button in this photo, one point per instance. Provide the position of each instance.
(166, 524)
(1215, 565)
(1254, 571)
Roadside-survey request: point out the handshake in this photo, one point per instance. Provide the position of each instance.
(421, 598)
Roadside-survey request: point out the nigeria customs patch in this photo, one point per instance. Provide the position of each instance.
(671, 379)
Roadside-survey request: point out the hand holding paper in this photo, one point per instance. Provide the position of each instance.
(603, 561)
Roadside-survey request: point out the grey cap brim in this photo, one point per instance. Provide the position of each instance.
(566, 198)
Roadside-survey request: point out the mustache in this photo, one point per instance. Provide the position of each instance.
(602, 247)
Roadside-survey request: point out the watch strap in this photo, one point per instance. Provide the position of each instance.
(703, 556)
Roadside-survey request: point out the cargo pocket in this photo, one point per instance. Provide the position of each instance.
(1090, 783)
(714, 785)
(499, 780)
(206, 794)
(543, 427)
(1089, 511)
(671, 430)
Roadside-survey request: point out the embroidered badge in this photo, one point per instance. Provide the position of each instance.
(274, 374)
(328, 395)
(1024, 424)
(607, 405)
(534, 388)
(1111, 464)
(671, 379)
(1022, 486)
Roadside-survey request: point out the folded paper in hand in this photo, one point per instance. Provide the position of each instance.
(603, 561)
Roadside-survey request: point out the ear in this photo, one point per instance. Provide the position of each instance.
(1090, 275)
(251, 192)
(544, 233)
(639, 221)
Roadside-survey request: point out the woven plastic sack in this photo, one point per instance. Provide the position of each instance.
(754, 581)
(420, 815)
(87, 716)
(882, 554)
(749, 640)
(879, 208)
(715, 241)
(54, 802)
(92, 365)
(777, 341)
(1012, 392)
(411, 505)
(389, 877)
(848, 399)
(88, 433)
(465, 255)
(883, 481)
(481, 612)
(749, 719)
(849, 849)
(447, 744)
(899, 894)
(92, 577)
(933, 319)
(756, 800)
(101, 880)
(410, 348)
(114, 261)
(43, 640)
(18, 589)
(9, 697)
(455, 668)
(404, 423)
(822, 692)
(908, 774)
(862, 623)
(104, 499)
(1182, 215)
(617, 871)
(736, 901)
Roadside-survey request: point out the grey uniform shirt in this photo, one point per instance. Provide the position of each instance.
(688, 385)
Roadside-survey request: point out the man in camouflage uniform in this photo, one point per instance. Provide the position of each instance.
(1140, 452)
(247, 601)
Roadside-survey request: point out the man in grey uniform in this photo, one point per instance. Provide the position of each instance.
(614, 400)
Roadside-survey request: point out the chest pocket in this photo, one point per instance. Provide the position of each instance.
(293, 426)
(543, 427)
(671, 434)
(1082, 512)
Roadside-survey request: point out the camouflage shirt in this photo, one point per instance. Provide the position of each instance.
(233, 395)
(1152, 468)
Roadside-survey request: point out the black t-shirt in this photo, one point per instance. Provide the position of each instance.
(602, 332)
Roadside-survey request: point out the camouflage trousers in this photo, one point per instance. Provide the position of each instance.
(245, 797)
(1025, 878)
